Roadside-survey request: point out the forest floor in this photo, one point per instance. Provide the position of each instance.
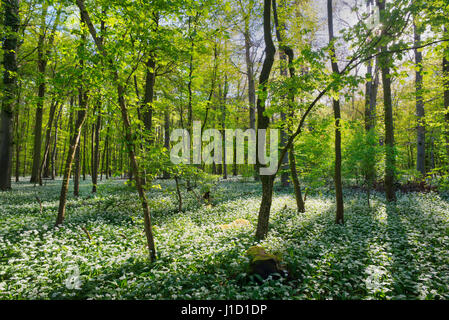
(384, 251)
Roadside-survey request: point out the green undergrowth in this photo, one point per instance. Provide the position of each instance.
(398, 251)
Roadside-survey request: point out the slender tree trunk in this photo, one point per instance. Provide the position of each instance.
(189, 85)
(92, 148)
(223, 124)
(45, 164)
(18, 134)
(147, 104)
(166, 175)
(128, 133)
(74, 143)
(212, 87)
(77, 171)
(251, 81)
(370, 116)
(234, 162)
(251, 84)
(96, 156)
(298, 196)
(25, 147)
(12, 22)
(283, 48)
(82, 101)
(107, 150)
(85, 141)
(421, 135)
(336, 106)
(41, 64)
(42, 58)
(390, 159)
(446, 90)
(17, 142)
(54, 154)
(178, 192)
(288, 53)
(263, 122)
(103, 155)
(70, 124)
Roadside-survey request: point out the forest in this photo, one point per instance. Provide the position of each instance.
(226, 150)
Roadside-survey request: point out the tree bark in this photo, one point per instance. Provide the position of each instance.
(17, 141)
(390, 159)
(147, 104)
(446, 90)
(284, 65)
(25, 147)
(166, 175)
(85, 142)
(45, 163)
(336, 106)
(12, 22)
(421, 135)
(250, 78)
(76, 174)
(223, 124)
(74, 144)
(96, 155)
(263, 123)
(108, 155)
(298, 196)
(42, 59)
(41, 66)
(54, 153)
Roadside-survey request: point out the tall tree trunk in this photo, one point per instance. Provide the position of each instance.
(103, 155)
(96, 155)
(77, 171)
(11, 21)
(251, 83)
(70, 125)
(128, 133)
(108, 154)
(25, 147)
(189, 85)
(41, 65)
(371, 88)
(17, 142)
(288, 52)
(42, 58)
(19, 132)
(82, 101)
(298, 196)
(212, 87)
(446, 90)
(336, 106)
(421, 135)
(54, 154)
(45, 164)
(74, 144)
(223, 125)
(147, 104)
(284, 65)
(85, 141)
(390, 159)
(263, 123)
(166, 175)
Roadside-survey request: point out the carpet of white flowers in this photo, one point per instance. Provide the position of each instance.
(384, 251)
